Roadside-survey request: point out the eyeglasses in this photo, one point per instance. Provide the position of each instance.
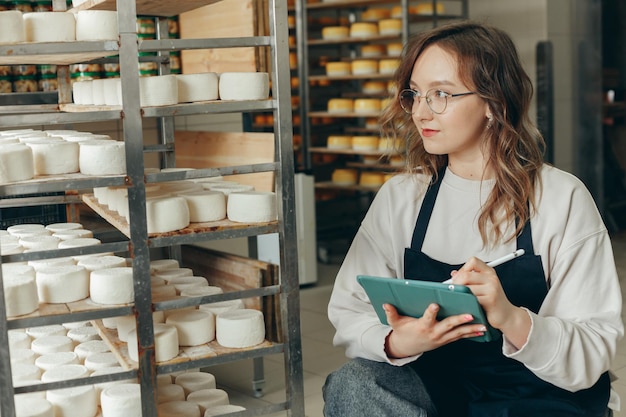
(437, 100)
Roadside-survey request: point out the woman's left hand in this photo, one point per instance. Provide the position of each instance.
(482, 279)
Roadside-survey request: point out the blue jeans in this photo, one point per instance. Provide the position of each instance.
(363, 388)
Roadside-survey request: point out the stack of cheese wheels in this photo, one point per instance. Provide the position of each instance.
(102, 157)
(16, 163)
(165, 343)
(96, 25)
(54, 156)
(99, 387)
(121, 400)
(363, 30)
(240, 328)
(158, 90)
(193, 381)
(12, 27)
(244, 85)
(50, 27)
(197, 87)
(335, 32)
(252, 207)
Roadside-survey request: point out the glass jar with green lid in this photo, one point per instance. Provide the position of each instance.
(48, 83)
(146, 25)
(25, 84)
(47, 69)
(43, 6)
(6, 84)
(5, 5)
(85, 76)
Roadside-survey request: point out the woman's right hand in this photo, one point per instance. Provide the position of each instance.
(412, 336)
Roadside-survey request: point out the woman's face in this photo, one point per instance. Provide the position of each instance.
(458, 130)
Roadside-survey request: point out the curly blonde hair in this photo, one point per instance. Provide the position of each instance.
(488, 62)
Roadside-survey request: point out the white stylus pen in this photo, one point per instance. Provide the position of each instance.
(499, 261)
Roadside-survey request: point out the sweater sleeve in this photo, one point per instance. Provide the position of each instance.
(573, 338)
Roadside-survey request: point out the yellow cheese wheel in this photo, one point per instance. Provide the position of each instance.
(371, 123)
(371, 51)
(365, 143)
(371, 179)
(344, 176)
(338, 68)
(374, 14)
(394, 49)
(364, 66)
(388, 66)
(363, 29)
(390, 27)
(426, 9)
(335, 32)
(339, 142)
(340, 105)
(366, 105)
(374, 87)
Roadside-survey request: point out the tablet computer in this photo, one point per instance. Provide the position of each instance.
(412, 297)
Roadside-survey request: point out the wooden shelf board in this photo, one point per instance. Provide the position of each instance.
(333, 4)
(121, 224)
(343, 115)
(163, 8)
(322, 149)
(185, 353)
(369, 39)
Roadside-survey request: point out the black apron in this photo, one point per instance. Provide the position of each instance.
(474, 379)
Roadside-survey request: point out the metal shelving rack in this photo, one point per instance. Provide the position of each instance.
(138, 243)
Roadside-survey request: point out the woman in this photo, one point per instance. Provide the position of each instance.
(477, 189)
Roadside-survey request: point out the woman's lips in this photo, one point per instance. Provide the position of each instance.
(427, 133)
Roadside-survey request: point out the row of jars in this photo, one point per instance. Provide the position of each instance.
(27, 6)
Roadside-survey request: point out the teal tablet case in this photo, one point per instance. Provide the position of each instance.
(412, 297)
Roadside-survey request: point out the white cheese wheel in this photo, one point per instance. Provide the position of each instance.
(197, 87)
(227, 188)
(252, 207)
(205, 206)
(195, 381)
(24, 372)
(158, 90)
(121, 400)
(16, 162)
(82, 92)
(101, 386)
(12, 27)
(27, 229)
(102, 157)
(83, 334)
(388, 66)
(20, 295)
(222, 409)
(112, 286)
(240, 328)
(222, 306)
(170, 392)
(160, 264)
(97, 91)
(49, 330)
(178, 409)
(365, 143)
(124, 325)
(96, 25)
(50, 27)
(73, 234)
(52, 344)
(165, 343)
(94, 263)
(27, 356)
(209, 398)
(32, 407)
(62, 284)
(194, 327)
(54, 157)
(163, 292)
(371, 51)
(164, 379)
(59, 227)
(244, 85)
(52, 360)
(76, 324)
(11, 248)
(65, 372)
(74, 402)
(111, 87)
(86, 349)
(184, 283)
(101, 360)
(201, 291)
(39, 242)
(166, 214)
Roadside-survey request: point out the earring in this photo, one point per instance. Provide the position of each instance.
(489, 121)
